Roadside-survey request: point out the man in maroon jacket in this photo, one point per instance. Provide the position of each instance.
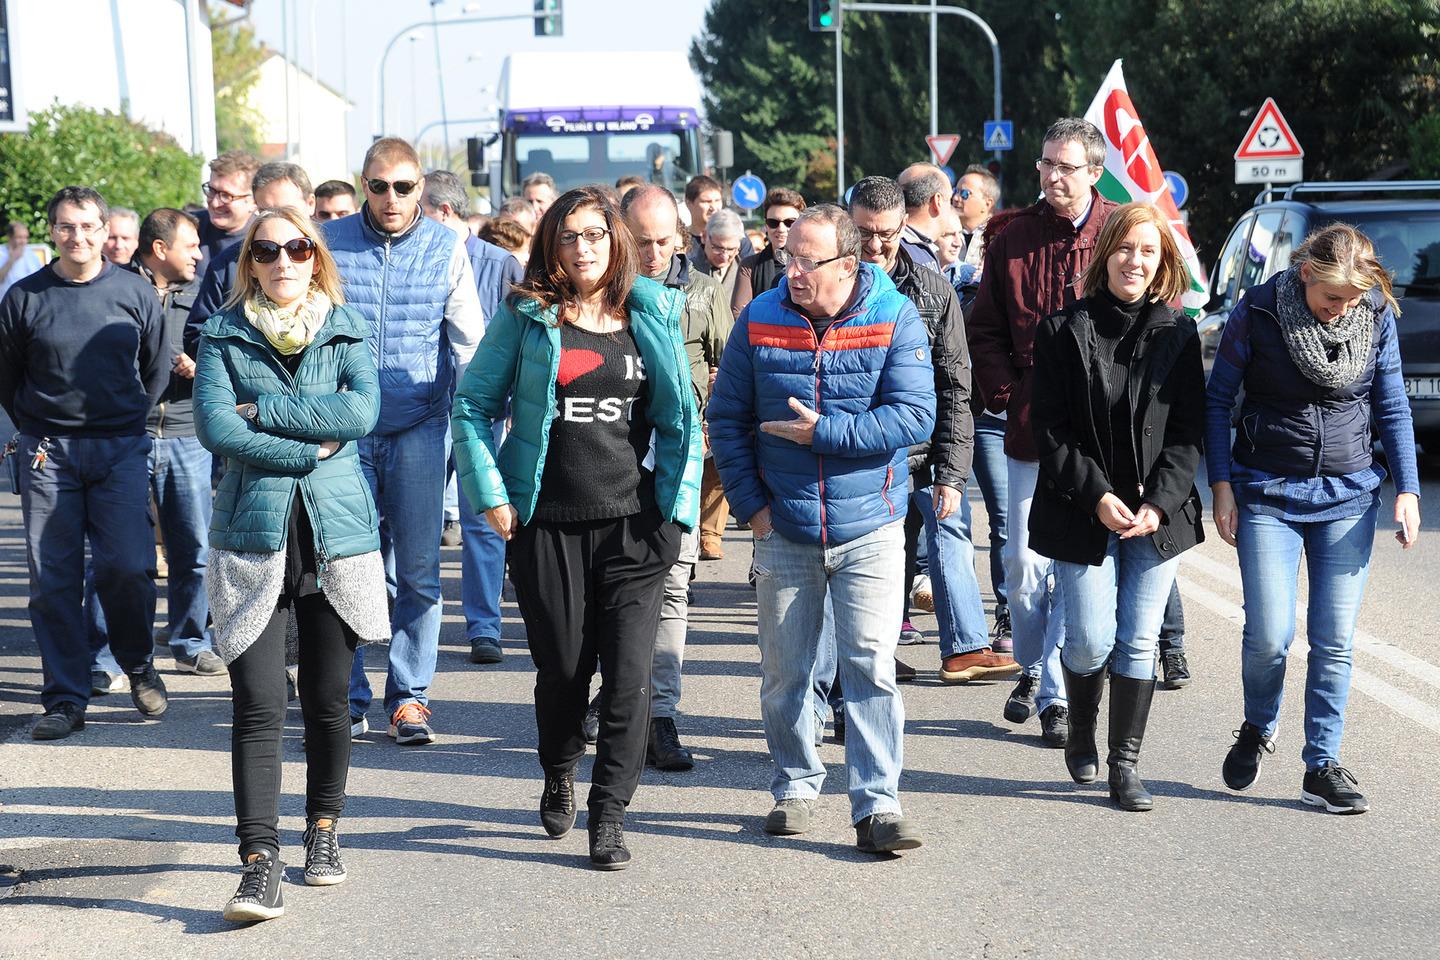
(1033, 261)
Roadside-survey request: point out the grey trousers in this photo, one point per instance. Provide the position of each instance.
(670, 636)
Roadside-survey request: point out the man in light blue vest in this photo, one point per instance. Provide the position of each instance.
(410, 277)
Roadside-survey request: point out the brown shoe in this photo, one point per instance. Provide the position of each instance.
(711, 550)
(982, 664)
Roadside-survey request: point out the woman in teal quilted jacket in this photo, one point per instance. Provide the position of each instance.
(284, 386)
(600, 468)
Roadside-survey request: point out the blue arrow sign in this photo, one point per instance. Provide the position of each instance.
(999, 135)
(748, 191)
(1179, 189)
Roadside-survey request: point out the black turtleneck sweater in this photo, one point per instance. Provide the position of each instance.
(1117, 329)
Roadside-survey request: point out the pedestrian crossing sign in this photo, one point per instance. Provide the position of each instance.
(999, 135)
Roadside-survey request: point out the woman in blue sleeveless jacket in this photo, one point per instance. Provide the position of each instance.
(601, 463)
(1315, 350)
(284, 385)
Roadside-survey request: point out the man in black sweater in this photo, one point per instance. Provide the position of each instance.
(82, 360)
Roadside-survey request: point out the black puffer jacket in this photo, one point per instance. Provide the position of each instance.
(945, 457)
(1071, 418)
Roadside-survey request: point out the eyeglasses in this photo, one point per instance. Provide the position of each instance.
(77, 229)
(1045, 166)
(380, 187)
(806, 265)
(775, 223)
(591, 235)
(298, 250)
(883, 236)
(215, 193)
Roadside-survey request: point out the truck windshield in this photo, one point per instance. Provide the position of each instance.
(665, 158)
(1407, 243)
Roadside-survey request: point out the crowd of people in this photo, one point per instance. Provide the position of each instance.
(311, 389)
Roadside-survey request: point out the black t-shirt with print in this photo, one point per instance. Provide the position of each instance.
(600, 438)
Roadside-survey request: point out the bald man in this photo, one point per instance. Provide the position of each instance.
(927, 196)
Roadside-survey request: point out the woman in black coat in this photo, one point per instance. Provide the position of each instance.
(1119, 416)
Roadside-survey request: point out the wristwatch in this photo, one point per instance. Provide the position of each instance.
(251, 411)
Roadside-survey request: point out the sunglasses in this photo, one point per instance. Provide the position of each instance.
(298, 250)
(774, 223)
(381, 187)
(965, 193)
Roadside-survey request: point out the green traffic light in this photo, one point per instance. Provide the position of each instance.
(826, 19)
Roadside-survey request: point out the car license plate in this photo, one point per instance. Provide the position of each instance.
(1422, 387)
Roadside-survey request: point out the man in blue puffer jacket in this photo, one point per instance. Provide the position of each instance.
(410, 278)
(825, 383)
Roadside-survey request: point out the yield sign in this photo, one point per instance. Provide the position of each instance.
(1269, 137)
(942, 145)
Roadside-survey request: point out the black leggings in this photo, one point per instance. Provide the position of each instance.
(257, 679)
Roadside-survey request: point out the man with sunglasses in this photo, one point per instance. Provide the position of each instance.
(1033, 261)
(229, 203)
(82, 360)
(824, 384)
(410, 277)
(976, 196)
(927, 193)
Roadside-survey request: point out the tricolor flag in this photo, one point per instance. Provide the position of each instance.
(1132, 171)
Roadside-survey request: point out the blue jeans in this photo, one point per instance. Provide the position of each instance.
(1113, 612)
(991, 474)
(824, 690)
(95, 488)
(406, 471)
(482, 569)
(864, 579)
(958, 610)
(1037, 612)
(180, 483)
(1337, 555)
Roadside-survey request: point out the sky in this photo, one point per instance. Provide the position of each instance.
(351, 36)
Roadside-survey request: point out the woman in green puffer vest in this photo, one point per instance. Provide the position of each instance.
(600, 469)
(284, 385)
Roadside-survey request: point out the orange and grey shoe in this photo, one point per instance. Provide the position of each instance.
(408, 725)
(982, 664)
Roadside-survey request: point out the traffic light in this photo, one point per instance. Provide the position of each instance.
(825, 15)
(550, 18)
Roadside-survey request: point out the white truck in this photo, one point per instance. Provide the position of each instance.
(595, 117)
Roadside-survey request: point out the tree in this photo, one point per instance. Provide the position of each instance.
(237, 58)
(127, 162)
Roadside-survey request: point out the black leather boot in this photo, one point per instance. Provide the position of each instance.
(1083, 690)
(1129, 711)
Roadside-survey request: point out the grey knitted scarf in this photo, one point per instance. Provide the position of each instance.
(1311, 342)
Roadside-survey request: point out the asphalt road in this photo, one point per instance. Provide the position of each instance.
(119, 840)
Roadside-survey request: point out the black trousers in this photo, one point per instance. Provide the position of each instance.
(257, 682)
(591, 593)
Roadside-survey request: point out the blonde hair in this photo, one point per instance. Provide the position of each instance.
(325, 277)
(1340, 254)
(1172, 277)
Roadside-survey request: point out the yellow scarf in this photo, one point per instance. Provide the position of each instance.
(288, 329)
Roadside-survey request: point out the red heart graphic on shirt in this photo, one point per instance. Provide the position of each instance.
(574, 364)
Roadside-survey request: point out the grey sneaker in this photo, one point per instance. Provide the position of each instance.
(205, 663)
(790, 816)
(103, 682)
(147, 691)
(451, 535)
(909, 635)
(886, 833)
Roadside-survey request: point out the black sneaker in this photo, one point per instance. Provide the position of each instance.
(557, 804)
(486, 650)
(147, 691)
(1175, 670)
(1055, 725)
(1001, 640)
(59, 723)
(323, 867)
(666, 751)
(205, 663)
(103, 682)
(886, 833)
(1242, 764)
(839, 734)
(607, 845)
(1020, 705)
(1333, 787)
(258, 897)
(590, 726)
